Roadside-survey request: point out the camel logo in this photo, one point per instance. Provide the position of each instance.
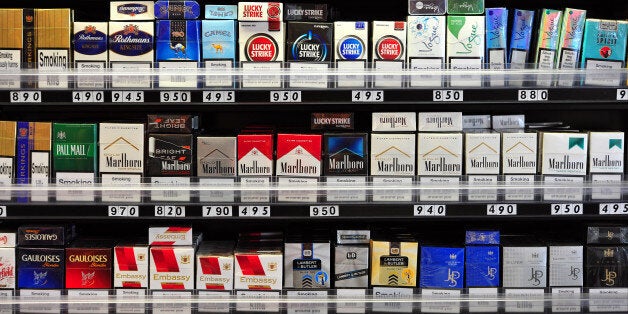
(179, 49)
(218, 48)
(87, 279)
(40, 279)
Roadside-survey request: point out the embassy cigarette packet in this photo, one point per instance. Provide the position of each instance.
(215, 265)
(131, 265)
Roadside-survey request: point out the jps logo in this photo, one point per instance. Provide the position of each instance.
(609, 277)
(536, 276)
(491, 272)
(452, 277)
(610, 235)
(574, 273)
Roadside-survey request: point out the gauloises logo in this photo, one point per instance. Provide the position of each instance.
(90, 41)
(351, 48)
(309, 47)
(261, 48)
(131, 41)
(132, 9)
(389, 48)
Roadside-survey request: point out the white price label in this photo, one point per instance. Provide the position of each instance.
(169, 211)
(175, 96)
(88, 96)
(622, 94)
(127, 96)
(501, 209)
(123, 211)
(25, 96)
(567, 209)
(614, 209)
(219, 96)
(447, 95)
(367, 96)
(3, 211)
(254, 211)
(430, 210)
(285, 96)
(217, 211)
(532, 95)
(324, 211)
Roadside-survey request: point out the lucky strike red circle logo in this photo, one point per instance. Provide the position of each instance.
(389, 48)
(261, 48)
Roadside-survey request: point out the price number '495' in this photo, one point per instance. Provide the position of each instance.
(367, 96)
(614, 209)
(254, 211)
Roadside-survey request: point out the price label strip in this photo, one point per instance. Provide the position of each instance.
(123, 211)
(127, 96)
(447, 95)
(613, 209)
(217, 211)
(254, 211)
(285, 96)
(219, 96)
(169, 211)
(367, 96)
(325, 211)
(567, 209)
(501, 209)
(622, 94)
(430, 210)
(532, 95)
(175, 96)
(3, 211)
(25, 97)
(88, 96)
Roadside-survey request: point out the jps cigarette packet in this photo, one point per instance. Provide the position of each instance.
(306, 12)
(258, 268)
(131, 50)
(476, 237)
(88, 266)
(299, 155)
(482, 152)
(604, 48)
(260, 11)
(8, 268)
(393, 121)
(216, 156)
(130, 266)
(566, 266)
(482, 265)
(519, 152)
(218, 42)
(132, 10)
(465, 6)
(307, 265)
(52, 31)
(214, 266)
(427, 7)
(121, 148)
(549, 36)
(170, 236)
(496, 27)
(465, 42)
(442, 267)
(606, 266)
(426, 48)
(177, 10)
(607, 234)
(255, 155)
(261, 46)
(12, 45)
(171, 123)
(439, 154)
(606, 152)
(351, 51)
(393, 154)
(169, 155)
(34, 235)
(440, 121)
(91, 43)
(345, 154)
(524, 266)
(388, 51)
(40, 268)
(571, 35)
(221, 12)
(476, 122)
(520, 38)
(8, 239)
(171, 267)
(564, 153)
(394, 263)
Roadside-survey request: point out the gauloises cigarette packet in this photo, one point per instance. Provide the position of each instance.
(132, 10)
(44, 235)
(214, 266)
(88, 265)
(299, 155)
(216, 156)
(346, 154)
(170, 236)
(12, 44)
(169, 155)
(442, 267)
(172, 267)
(170, 123)
(7, 149)
(40, 268)
(394, 263)
(258, 267)
(130, 265)
(255, 155)
(52, 32)
(177, 10)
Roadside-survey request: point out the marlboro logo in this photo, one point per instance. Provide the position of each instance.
(389, 48)
(483, 145)
(261, 48)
